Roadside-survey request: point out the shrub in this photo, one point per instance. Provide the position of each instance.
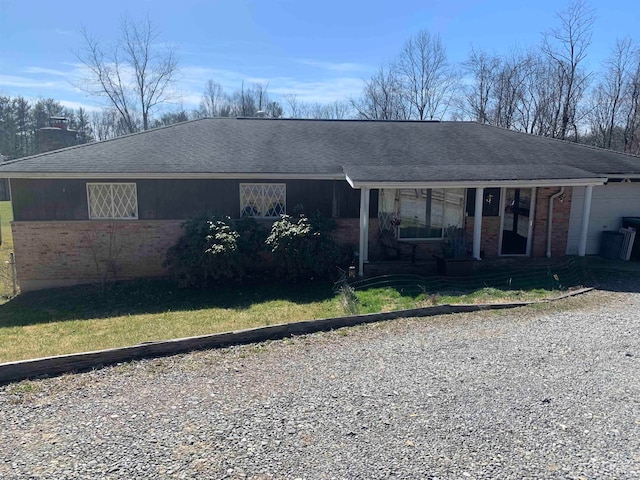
(303, 248)
(207, 250)
(251, 244)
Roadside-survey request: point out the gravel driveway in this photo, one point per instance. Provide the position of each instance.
(546, 392)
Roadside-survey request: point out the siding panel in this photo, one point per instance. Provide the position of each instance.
(60, 199)
(39, 199)
(609, 204)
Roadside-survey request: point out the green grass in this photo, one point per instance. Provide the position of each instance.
(84, 318)
(388, 299)
(6, 217)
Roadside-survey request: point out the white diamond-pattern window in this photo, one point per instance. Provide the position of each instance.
(267, 200)
(109, 201)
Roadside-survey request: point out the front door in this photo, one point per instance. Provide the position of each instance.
(517, 221)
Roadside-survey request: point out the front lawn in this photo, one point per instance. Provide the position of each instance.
(84, 318)
(6, 217)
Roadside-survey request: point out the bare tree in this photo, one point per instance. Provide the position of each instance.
(294, 105)
(510, 90)
(336, 110)
(632, 109)
(566, 47)
(252, 101)
(504, 89)
(261, 96)
(482, 68)
(133, 73)
(243, 102)
(428, 80)
(608, 99)
(213, 99)
(382, 98)
(273, 110)
(107, 123)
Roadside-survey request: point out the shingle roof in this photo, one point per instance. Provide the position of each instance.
(371, 150)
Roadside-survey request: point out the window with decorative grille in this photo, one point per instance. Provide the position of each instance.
(266, 200)
(110, 201)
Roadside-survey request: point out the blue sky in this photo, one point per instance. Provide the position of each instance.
(319, 50)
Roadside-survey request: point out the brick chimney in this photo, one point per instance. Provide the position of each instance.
(57, 135)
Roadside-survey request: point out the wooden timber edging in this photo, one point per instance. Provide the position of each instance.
(51, 366)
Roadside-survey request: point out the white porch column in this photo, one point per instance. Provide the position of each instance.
(532, 216)
(477, 223)
(584, 227)
(363, 251)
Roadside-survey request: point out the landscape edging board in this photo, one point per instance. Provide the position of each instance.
(50, 366)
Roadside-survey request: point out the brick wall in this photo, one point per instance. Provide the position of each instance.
(490, 235)
(560, 229)
(348, 232)
(559, 233)
(57, 254)
(54, 254)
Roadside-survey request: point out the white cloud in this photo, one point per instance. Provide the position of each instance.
(46, 71)
(74, 105)
(61, 84)
(31, 83)
(334, 66)
(326, 90)
(322, 91)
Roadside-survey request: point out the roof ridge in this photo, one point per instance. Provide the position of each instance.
(337, 120)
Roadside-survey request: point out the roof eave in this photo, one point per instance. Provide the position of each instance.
(616, 176)
(568, 182)
(173, 176)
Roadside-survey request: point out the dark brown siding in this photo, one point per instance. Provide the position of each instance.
(329, 197)
(314, 196)
(41, 200)
(4, 190)
(179, 199)
(49, 199)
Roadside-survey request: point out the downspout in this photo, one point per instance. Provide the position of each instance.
(550, 219)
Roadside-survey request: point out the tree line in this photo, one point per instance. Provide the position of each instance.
(545, 89)
(20, 120)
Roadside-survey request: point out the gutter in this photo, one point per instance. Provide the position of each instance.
(550, 218)
(595, 181)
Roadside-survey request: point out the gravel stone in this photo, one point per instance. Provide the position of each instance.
(550, 391)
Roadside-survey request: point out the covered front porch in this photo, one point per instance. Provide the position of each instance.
(425, 223)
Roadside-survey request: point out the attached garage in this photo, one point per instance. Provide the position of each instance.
(609, 203)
